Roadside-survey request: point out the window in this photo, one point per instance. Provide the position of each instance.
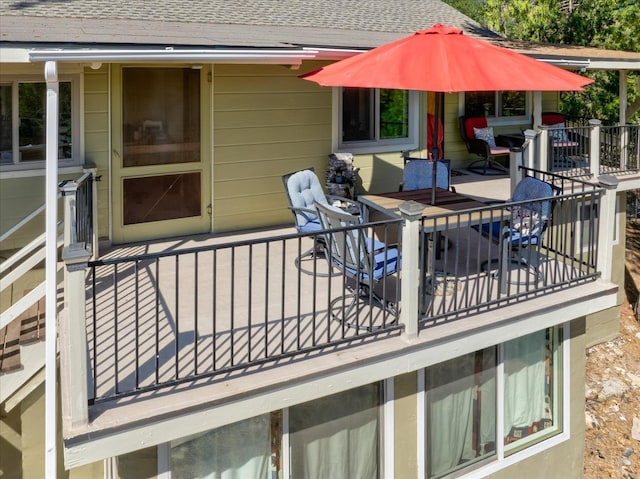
(337, 436)
(241, 449)
(516, 385)
(497, 104)
(377, 120)
(23, 117)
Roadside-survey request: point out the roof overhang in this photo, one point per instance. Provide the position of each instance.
(171, 54)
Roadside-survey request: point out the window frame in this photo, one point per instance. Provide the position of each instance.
(76, 157)
(504, 456)
(495, 120)
(377, 145)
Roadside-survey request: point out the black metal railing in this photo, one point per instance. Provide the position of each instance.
(569, 150)
(160, 320)
(619, 150)
(84, 211)
(475, 263)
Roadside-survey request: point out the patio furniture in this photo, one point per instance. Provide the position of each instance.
(480, 140)
(363, 260)
(520, 234)
(565, 146)
(303, 191)
(418, 174)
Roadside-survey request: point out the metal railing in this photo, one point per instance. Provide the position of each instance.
(80, 199)
(159, 320)
(619, 150)
(466, 271)
(569, 150)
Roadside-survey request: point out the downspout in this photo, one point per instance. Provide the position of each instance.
(51, 201)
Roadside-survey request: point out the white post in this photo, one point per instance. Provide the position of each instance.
(411, 211)
(537, 109)
(531, 147)
(515, 161)
(51, 219)
(607, 225)
(624, 132)
(594, 146)
(543, 148)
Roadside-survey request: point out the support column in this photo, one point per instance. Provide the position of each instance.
(607, 225)
(411, 212)
(51, 249)
(594, 146)
(544, 149)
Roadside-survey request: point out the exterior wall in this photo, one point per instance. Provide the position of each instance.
(605, 325)
(266, 122)
(10, 444)
(405, 421)
(141, 464)
(96, 138)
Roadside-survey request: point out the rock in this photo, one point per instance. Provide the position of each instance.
(590, 394)
(635, 380)
(626, 461)
(635, 428)
(590, 421)
(612, 387)
(627, 452)
(637, 335)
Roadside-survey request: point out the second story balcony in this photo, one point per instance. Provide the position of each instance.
(171, 328)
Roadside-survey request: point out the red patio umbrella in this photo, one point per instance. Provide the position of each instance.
(442, 59)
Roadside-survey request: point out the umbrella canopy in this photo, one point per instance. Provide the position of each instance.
(443, 59)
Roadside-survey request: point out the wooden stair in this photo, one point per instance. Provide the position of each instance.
(27, 328)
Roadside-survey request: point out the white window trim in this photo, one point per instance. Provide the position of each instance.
(505, 120)
(37, 168)
(499, 461)
(381, 146)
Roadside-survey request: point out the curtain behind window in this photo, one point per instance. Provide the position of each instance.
(337, 436)
(236, 451)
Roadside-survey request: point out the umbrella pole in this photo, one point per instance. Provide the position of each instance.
(435, 150)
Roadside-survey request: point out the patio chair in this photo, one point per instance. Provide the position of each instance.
(521, 233)
(418, 174)
(480, 140)
(362, 259)
(303, 190)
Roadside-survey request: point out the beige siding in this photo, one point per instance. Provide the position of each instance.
(267, 122)
(96, 137)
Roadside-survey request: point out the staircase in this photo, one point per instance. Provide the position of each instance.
(26, 329)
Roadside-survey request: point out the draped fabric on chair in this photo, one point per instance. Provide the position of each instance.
(241, 450)
(418, 174)
(337, 436)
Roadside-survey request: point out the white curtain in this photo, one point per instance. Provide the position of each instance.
(524, 380)
(337, 436)
(236, 451)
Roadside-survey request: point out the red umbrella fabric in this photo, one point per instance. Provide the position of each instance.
(443, 59)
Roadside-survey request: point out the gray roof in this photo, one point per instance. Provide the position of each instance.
(238, 23)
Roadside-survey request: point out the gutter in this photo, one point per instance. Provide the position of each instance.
(171, 54)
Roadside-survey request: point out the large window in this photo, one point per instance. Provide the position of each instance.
(23, 121)
(516, 385)
(497, 104)
(377, 119)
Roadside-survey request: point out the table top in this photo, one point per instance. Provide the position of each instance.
(446, 202)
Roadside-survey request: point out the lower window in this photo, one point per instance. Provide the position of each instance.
(463, 395)
(337, 436)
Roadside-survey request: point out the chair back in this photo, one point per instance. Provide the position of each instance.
(553, 118)
(467, 124)
(418, 174)
(303, 190)
(530, 188)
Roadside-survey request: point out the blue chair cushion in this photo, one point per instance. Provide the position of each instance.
(497, 229)
(390, 257)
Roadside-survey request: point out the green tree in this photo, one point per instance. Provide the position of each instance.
(610, 24)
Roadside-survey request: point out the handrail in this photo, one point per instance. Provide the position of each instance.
(23, 222)
(18, 255)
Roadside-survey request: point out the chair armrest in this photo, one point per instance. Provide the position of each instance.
(479, 147)
(507, 141)
(347, 204)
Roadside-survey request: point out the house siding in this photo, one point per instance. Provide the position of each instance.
(267, 122)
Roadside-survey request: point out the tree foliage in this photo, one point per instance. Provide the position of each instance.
(610, 24)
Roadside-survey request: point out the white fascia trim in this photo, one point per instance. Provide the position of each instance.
(169, 54)
(14, 55)
(567, 62)
(334, 53)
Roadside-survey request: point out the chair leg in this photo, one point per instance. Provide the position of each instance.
(312, 255)
(345, 309)
(487, 166)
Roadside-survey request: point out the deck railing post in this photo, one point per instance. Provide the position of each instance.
(94, 212)
(530, 148)
(411, 212)
(607, 226)
(516, 160)
(73, 334)
(594, 146)
(69, 190)
(544, 149)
